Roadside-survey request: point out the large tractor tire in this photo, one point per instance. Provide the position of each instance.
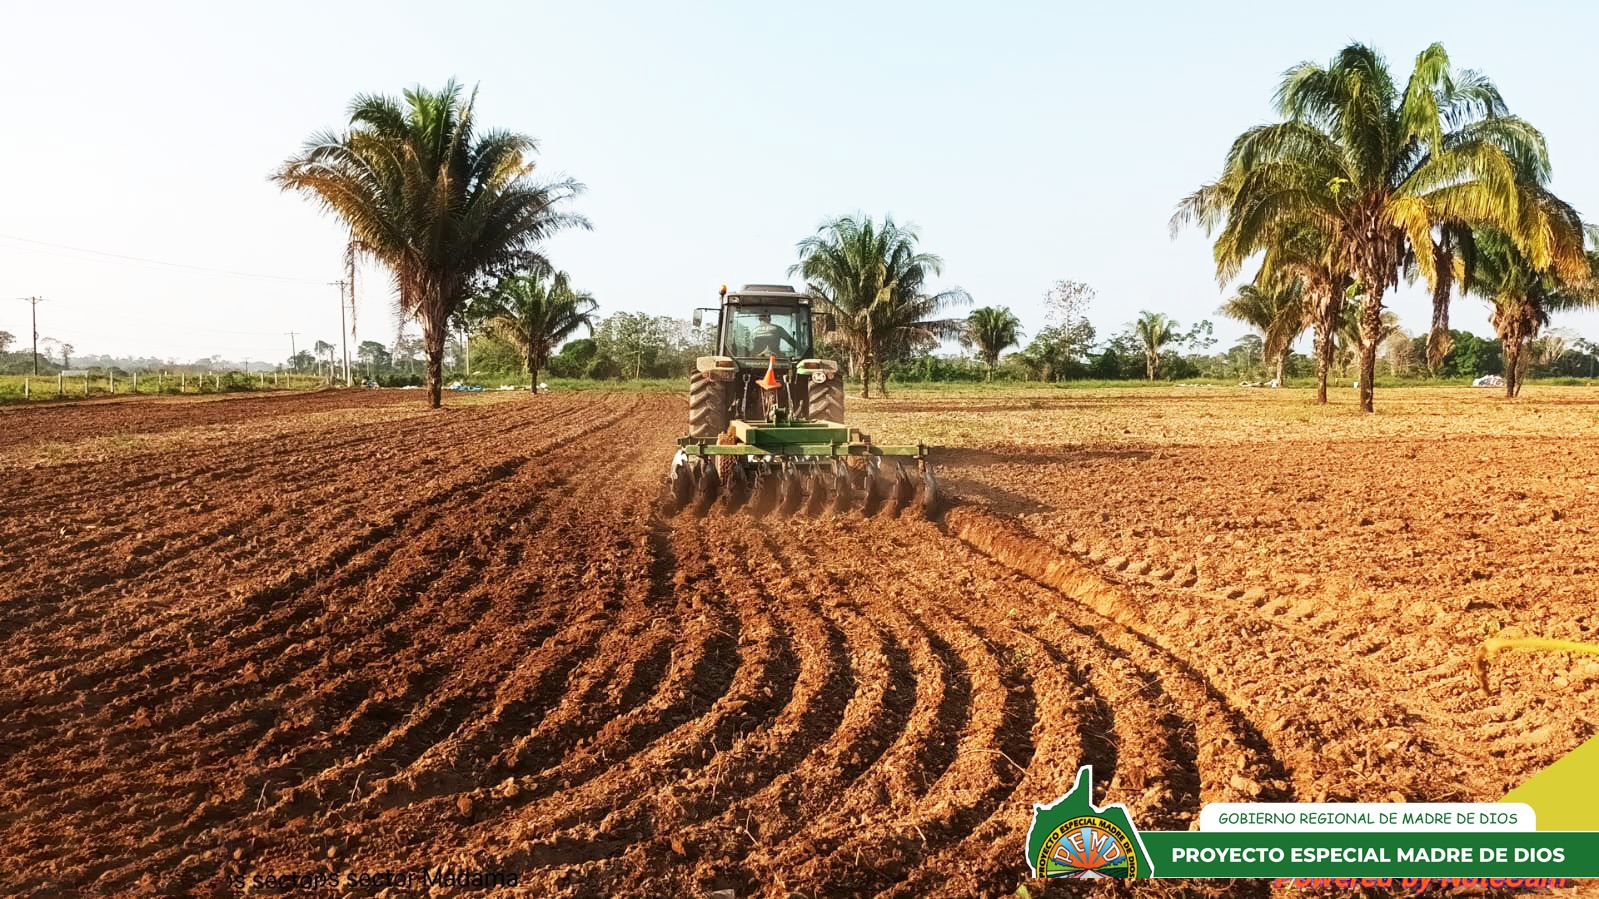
(827, 399)
(707, 407)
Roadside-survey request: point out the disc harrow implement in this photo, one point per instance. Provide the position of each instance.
(799, 467)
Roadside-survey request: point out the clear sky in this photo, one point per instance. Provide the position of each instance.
(1029, 141)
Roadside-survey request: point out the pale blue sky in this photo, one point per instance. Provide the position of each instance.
(1029, 142)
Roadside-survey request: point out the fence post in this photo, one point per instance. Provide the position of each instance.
(61, 384)
(183, 381)
(26, 391)
(86, 382)
(111, 375)
(135, 382)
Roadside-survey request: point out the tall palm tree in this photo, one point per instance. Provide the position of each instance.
(1306, 253)
(1348, 339)
(1154, 332)
(1277, 311)
(1378, 170)
(873, 280)
(1452, 251)
(993, 330)
(433, 198)
(535, 314)
(1522, 296)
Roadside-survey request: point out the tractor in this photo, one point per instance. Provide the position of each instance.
(766, 421)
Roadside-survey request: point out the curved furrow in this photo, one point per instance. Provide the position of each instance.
(603, 809)
(440, 722)
(242, 455)
(1116, 617)
(994, 747)
(384, 746)
(1155, 755)
(192, 535)
(264, 640)
(699, 673)
(379, 535)
(1075, 727)
(760, 769)
(922, 755)
(556, 667)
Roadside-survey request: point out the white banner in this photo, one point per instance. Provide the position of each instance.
(1303, 817)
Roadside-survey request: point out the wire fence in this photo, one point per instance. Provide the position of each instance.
(81, 383)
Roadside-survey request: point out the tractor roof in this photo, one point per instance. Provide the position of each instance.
(769, 293)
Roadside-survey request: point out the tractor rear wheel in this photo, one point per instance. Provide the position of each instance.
(827, 399)
(707, 406)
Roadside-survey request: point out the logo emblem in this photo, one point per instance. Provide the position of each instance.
(1074, 838)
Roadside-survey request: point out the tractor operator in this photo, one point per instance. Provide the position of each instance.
(767, 339)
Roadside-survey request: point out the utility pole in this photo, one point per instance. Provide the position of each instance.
(344, 337)
(349, 264)
(293, 351)
(34, 302)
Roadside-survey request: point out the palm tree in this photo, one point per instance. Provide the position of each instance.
(535, 315)
(1452, 253)
(1522, 296)
(1277, 311)
(1348, 340)
(873, 280)
(437, 201)
(993, 330)
(1155, 332)
(1377, 170)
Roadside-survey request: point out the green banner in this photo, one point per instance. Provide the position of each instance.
(1494, 854)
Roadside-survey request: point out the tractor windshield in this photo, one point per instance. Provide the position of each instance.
(770, 331)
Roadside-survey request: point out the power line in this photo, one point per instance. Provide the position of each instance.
(178, 265)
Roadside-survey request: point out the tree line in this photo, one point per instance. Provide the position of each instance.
(1363, 183)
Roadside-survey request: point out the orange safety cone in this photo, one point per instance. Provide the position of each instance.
(770, 382)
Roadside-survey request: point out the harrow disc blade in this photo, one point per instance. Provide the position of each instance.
(930, 497)
(764, 493)
(874, 493)
(793, 492)
(859, 475)
(682, 489)
(904, 490)
(818, 495)
(738, 490)
(709, 488)
(843, 493)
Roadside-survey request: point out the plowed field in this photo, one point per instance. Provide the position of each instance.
(341, 633)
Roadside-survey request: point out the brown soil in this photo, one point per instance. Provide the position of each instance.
(357, 636)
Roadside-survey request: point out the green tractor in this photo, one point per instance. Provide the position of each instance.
(766, 422)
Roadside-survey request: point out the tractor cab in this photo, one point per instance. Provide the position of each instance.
(760, 322)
